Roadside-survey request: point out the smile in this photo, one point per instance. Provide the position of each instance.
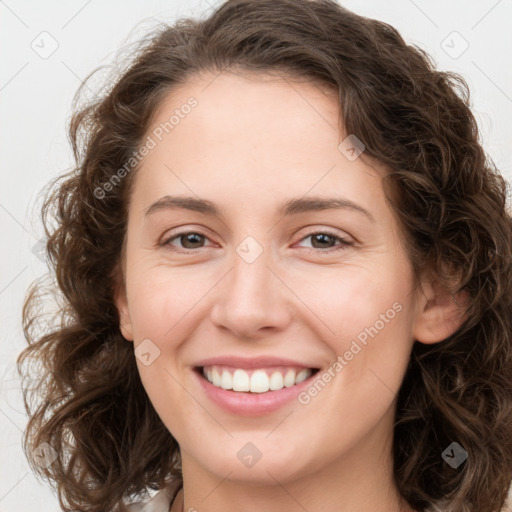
(258, 380)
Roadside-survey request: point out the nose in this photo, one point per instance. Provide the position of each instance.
(251, 300)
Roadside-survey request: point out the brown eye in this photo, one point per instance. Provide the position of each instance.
(191, 240)
(187, 239)
(323, 240)
(326, 240)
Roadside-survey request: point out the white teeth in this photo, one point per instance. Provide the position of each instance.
(258, 382)
(289, 378)
(276, 381)
(226, 381)
(240, 381)
(302, 375)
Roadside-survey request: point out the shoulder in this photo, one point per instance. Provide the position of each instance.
(160, 502)
(444, 507)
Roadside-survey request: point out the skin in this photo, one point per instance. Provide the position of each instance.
(249, 144)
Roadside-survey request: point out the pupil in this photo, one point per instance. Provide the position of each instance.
(189, 238)
(324, 238)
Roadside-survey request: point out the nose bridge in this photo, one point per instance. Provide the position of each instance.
(251, 275)
(250, 296)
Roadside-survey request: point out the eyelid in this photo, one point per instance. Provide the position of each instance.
(327, 231)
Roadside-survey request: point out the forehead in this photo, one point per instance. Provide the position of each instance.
(256, 136)
(249, 107)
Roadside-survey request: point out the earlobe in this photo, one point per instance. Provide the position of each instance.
(125, 325)
(121, 302)
(440, 313)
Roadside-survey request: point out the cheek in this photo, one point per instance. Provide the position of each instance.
(349, 300)
(364, 316)
(160, 298)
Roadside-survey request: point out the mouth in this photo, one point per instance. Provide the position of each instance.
(257, 380)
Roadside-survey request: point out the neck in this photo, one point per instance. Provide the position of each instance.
(359, 481)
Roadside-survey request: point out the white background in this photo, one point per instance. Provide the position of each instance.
(35, 101)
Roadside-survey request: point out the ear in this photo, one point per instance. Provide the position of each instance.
(121, 302)
(440, 312)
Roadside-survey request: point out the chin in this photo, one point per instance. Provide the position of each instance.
(257, 462)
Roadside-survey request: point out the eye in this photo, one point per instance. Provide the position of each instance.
(323, 239)
(188, 239)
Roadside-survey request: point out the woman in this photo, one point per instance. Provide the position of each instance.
(286, 268)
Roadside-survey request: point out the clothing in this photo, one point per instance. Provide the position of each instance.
(161, 502)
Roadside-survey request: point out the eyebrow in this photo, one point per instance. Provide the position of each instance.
(289, 207)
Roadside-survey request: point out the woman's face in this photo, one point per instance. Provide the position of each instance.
(293, 261)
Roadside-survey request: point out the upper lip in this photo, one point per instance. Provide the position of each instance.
(253, 362)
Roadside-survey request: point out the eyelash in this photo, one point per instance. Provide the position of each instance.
(344, 242)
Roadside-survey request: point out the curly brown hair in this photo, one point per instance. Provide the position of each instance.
(81, 386)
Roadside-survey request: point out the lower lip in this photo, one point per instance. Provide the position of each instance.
(252, 404)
